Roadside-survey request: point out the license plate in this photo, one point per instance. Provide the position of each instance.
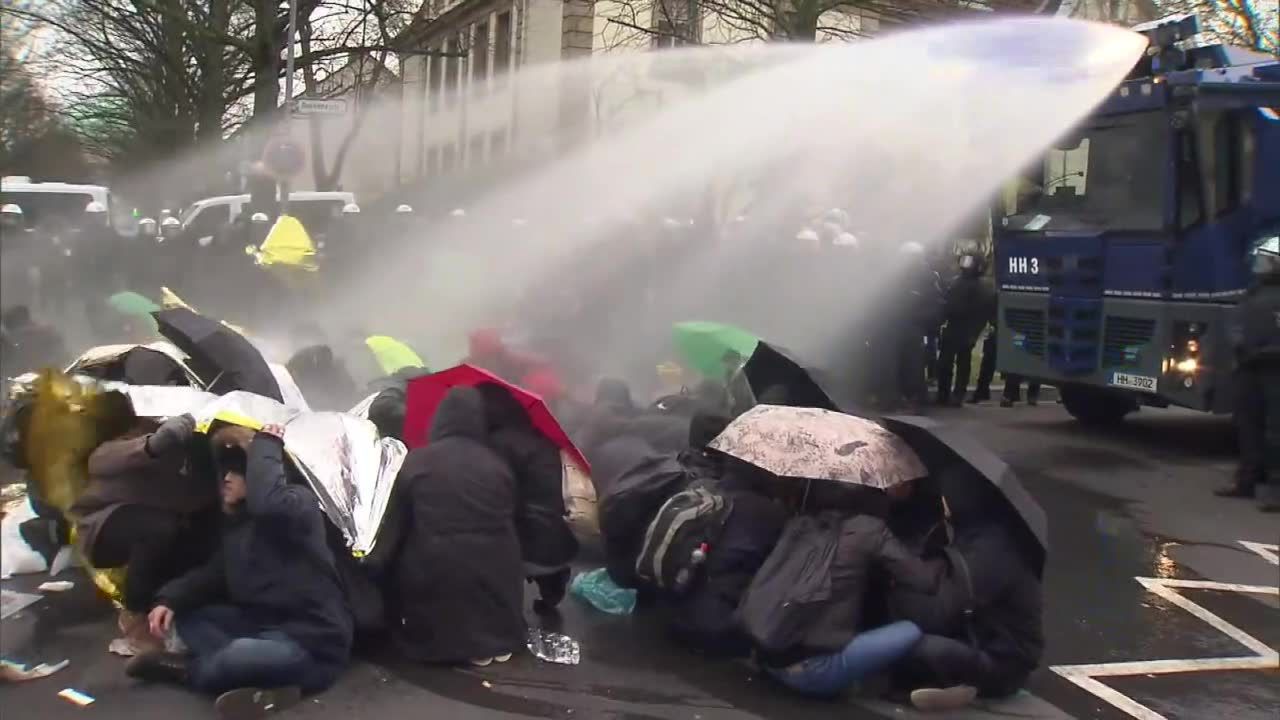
(1141, 383)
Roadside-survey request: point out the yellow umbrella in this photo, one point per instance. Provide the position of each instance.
(392, 354)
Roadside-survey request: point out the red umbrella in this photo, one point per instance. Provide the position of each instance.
(426, 392)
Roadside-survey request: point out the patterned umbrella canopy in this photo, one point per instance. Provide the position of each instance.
(820, 445)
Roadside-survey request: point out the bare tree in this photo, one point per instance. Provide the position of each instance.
(688, 22)
(1245, 23)
(33, 140)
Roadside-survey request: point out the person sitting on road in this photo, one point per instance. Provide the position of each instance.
(267, 618)
(865, 543)
(458, 571)
(147, 510)
(546, 542)
(982, 628)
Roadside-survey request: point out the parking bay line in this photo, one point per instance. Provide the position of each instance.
(1264, 658)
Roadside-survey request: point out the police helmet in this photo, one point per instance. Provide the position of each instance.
(258, 217)
(95, 208)
(11, 209)
(350, 209)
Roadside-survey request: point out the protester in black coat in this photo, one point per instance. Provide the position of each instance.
(704, 618)
(269, 610)
(386, 411)
(322, 378)
(459, 570)
(546, 542)
(998, 648)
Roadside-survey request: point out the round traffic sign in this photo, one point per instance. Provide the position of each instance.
(285, 157)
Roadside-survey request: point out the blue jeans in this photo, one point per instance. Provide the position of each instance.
(231, 651)
(868, 653)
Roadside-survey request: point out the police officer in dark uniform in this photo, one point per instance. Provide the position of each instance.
(967, 309)
(921, 314)
(1256, 387)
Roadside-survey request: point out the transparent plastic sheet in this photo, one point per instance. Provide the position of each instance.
(554, 647)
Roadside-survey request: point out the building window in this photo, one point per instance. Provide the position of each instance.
(480, 56)
(502, 44)
(675, 23)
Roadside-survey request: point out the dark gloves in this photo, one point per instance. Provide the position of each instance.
(173, 434)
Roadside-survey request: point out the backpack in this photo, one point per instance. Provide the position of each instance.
(627, 507)
(793, 585)
(682, 534)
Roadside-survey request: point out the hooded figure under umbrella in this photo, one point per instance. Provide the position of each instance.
(983, 627)
(546, 542)
(459, 571)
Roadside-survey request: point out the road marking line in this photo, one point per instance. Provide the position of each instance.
(1264, 658)
(1270, 553)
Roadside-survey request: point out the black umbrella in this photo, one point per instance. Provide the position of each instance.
(770, 366)
(220, 356)
(943, 446)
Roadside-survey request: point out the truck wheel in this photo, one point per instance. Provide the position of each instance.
(1095, 406)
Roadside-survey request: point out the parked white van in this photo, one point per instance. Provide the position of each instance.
(53, 204)
(316, 209)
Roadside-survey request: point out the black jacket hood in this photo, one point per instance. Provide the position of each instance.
(460, 414)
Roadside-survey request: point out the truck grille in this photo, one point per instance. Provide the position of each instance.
(1027, 327)
(1126, 338)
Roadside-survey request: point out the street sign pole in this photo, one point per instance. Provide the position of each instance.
(291, 35)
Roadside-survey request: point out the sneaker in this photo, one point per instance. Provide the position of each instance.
(254, 703)
(502, 658)
(1006, 403)
(482, 662)
(158, 666)
(957, 402)
(1033, 401)
(956, 697)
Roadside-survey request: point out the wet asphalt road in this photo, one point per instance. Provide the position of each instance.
(1123, 503)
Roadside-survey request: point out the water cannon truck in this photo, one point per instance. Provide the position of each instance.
(1121, 256)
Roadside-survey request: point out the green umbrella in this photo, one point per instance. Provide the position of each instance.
(134, 305)
(392, 354)
(704, 345)
(131, 303)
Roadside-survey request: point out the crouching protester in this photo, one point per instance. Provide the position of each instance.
(266, 620)
(982, 629)
(804, 608)
(147, 509)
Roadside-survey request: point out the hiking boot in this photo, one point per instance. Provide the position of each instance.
(254, 703)
(158, 666)
(953, 698)
(1234, 490)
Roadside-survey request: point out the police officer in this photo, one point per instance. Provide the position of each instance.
(1257, 387)
(966, 310)
(920, 315)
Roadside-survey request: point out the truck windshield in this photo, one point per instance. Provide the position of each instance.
(1109, 176)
